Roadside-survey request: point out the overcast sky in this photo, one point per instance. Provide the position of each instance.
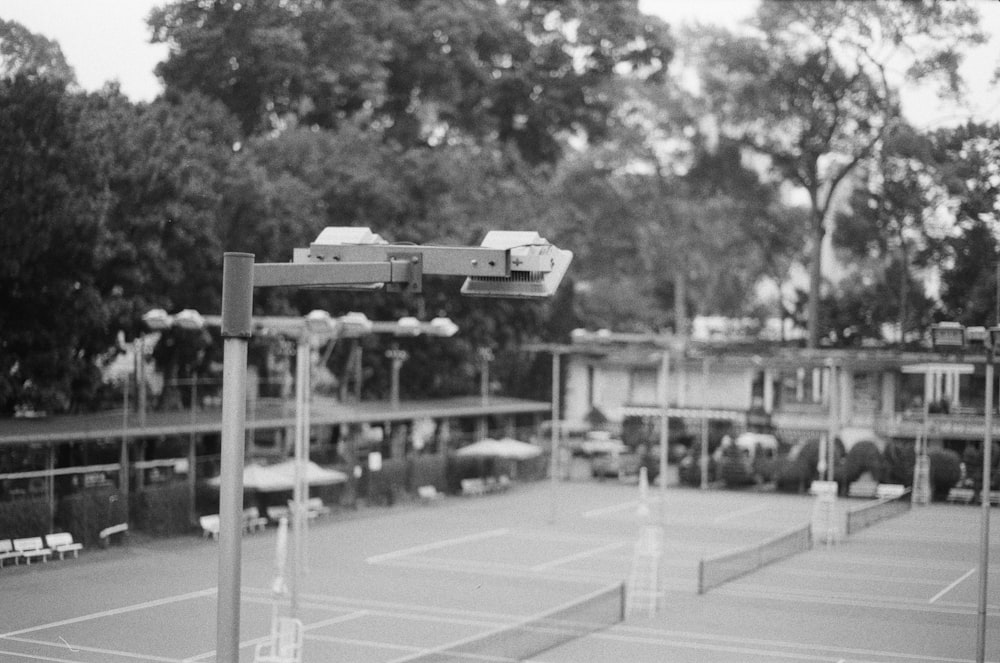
(108, 40)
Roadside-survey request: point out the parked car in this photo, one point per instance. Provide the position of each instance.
(748, 459)
(620, 461)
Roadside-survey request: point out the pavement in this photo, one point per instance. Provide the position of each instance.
(387, 584)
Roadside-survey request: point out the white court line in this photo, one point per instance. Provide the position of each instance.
(95, 650)
(375, 559)
(580, 555)
(595, 513)
(739, 514)
(952, 585)
(255, 641)
(35, 657)
(115, 611)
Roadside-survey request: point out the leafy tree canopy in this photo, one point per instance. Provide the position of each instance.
(424, 72)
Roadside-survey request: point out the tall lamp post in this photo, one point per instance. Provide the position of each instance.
(954, 336)
(508, 264)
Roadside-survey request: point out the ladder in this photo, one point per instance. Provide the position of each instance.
(642, 591)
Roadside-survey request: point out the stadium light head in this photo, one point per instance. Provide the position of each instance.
(948, 335)
(320, 323)
(408, 326)
(535, 267)
(976, 336)
(157, 319)
(189, 319)
(443, 327)
(354, 324)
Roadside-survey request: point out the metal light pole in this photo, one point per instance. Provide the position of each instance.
(663, 395)
(952, 335)
(984, 526)
(984, 521)
(300, 489)
(237, 326)
(519, 264)
(397, 356)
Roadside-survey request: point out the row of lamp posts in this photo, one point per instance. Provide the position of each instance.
(316, 326)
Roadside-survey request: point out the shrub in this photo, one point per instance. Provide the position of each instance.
(945, 471)
(428, 471)
(163, 510)
(863, 457)
(24, 517)
(899, 459)
(789, 475)
(86, 513)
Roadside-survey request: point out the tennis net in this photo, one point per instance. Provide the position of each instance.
(536, 634)
(869, 514)
(716, 570)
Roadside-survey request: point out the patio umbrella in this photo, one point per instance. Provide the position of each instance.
(281, 476)
(506, 448)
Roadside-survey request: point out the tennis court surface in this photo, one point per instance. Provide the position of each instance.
(494, 578)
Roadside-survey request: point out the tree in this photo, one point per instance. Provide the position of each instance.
(53, 316)
(29, 54)
(888, 216)
(967, 159)
(812, 90)
(425, 73)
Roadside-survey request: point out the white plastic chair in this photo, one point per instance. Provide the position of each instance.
(285, 643)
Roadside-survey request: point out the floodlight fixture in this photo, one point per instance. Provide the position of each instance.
(976, 336)
(321, 324)
(948, 335)
(443, 327)
(157, 319)
(535, 267)
(408, 326)
(189, 319)
(354, 324)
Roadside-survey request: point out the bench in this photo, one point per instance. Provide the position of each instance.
(7, 552)
(427, 493)
(32, 547)
(62, 543)
(473, 487)
(253, 521)
(963, 495)
(315, 507)
(104, 536)
(209, 526)
(276, 513)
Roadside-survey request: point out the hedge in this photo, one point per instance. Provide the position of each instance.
(162, 510)
(86, 513)
(24, 517)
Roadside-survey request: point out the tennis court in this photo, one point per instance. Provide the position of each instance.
(425, 582)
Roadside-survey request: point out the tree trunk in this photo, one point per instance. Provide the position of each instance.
(680, 299)
(815, 274)
(904, 293)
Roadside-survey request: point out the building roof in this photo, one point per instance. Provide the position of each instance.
(266, 414)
